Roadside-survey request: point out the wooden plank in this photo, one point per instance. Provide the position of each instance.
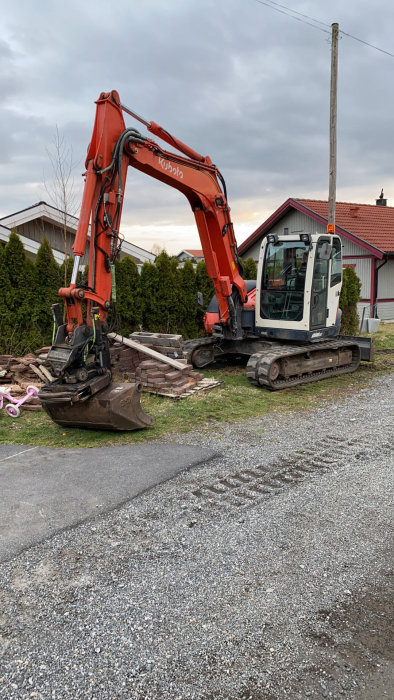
(142, 348)
(204, 385)
(46, 373)
(39, 374)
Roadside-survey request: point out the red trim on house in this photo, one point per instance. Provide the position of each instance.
(373, 281)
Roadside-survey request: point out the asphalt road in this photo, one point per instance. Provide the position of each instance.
(45, 490)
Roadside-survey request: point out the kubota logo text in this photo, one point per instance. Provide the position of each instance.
(174, 170)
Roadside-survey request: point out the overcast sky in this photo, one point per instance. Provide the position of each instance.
(234, 79)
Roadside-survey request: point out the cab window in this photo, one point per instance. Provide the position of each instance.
(283, 281)
(336, 262)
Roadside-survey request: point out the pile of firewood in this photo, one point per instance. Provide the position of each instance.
(17, 373)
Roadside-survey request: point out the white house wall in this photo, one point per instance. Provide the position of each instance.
(385, 309)
(295, 222)
(363, 271)
(350, 248)
(385, 280)
(253, 252)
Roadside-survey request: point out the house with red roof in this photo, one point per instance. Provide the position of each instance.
(195, 255)
(367, 233)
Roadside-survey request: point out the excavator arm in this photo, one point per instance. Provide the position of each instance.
(112, 150)
(80, 355)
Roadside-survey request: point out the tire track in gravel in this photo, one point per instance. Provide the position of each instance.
(246, 486)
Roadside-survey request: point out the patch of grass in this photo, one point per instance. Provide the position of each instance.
(237, 399)
(384, 339)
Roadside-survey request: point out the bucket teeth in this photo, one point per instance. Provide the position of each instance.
(116, 407)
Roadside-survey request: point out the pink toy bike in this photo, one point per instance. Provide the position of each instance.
(12, 409)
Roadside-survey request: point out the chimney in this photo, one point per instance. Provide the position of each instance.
(353, 211)
(381, 202)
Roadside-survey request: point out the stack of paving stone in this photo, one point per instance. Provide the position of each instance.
(154, 374)
(168, 344)
(159, 377)
(124, 361)
(128, 364)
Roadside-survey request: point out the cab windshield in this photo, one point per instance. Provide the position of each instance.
(283, 280)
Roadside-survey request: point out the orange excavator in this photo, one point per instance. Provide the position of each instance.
(82, 393)
(290, 331)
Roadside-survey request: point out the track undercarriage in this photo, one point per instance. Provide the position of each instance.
(286, 366)
(278, 366)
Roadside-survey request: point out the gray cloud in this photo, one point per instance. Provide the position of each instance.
(232, 78)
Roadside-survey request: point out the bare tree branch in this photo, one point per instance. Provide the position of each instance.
(61, 187)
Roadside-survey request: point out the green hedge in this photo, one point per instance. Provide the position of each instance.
(350, 295)
(249, 269)
(27, 290)
(163, 298)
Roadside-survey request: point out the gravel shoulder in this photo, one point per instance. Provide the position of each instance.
(263, 573)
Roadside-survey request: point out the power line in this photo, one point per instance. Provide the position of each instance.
(295, 12)
(300, 17)
(366, 43)
(261, 2)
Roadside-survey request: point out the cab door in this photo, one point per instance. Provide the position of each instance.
(320, 282)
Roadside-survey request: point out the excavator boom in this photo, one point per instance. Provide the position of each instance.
(79, 356)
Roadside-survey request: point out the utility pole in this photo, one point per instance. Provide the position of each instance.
(333, 129)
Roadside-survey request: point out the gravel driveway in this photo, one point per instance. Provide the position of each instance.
(264, 573)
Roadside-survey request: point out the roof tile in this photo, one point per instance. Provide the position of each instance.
(373, 224)
(195, 253)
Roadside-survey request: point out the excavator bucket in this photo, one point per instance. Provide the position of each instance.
(115, 407)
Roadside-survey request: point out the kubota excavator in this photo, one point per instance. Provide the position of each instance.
(289, 327)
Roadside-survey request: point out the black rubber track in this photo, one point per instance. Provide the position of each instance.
(259, 369)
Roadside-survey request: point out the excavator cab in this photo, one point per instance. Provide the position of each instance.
(298, 286)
